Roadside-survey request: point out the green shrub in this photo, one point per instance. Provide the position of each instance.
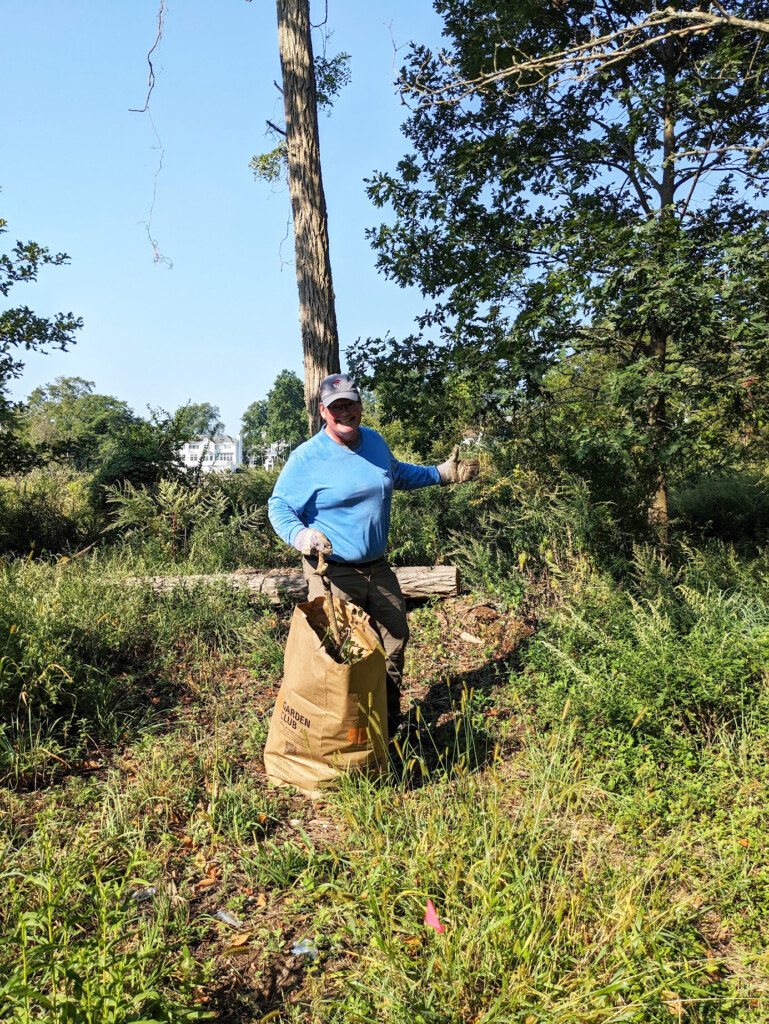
(656, 669)
(198, 524)
(46, 511)
(733, 509)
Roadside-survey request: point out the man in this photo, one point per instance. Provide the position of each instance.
(333, 496)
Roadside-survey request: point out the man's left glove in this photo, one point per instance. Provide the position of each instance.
(454, 471)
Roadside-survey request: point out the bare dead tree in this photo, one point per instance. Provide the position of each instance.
(317, 311)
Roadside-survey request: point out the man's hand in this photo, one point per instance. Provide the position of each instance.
(311, 542)
(453, 471)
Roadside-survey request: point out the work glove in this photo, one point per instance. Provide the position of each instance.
(454, 471)
(312, 542)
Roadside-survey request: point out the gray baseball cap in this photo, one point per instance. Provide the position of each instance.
(338, 385)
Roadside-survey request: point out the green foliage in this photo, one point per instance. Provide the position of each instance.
(280, 419)
(250, 488)
(20, 328)
(272, 166)
(332, 74)
(556, 242)
(286, 413)
(201, 524)
(524, 896)
(199, 418)
(76, 949)
(653, 672)
(46, 511)
(253, 430)
(585, 864)
(70, 424)
(516, 533)
(143, 453)
(78, 646)
(732, 508)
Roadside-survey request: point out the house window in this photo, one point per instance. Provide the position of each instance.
(193, 447)
(193, 458)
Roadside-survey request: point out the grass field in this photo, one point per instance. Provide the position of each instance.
(585, 803)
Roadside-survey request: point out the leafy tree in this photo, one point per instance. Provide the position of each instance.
(70, 423)
(613, 220)
(200, 418)
(286, 419)
(253, 430)
(142, 454)
(22, 330)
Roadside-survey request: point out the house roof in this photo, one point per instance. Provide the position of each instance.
(214, 439)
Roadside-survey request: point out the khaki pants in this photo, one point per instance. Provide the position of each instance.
(374, 587)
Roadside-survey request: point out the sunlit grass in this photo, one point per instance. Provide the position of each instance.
(584, 868)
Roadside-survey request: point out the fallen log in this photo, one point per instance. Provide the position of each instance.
(289, 584)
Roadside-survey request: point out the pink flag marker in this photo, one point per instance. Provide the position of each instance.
(431, 918)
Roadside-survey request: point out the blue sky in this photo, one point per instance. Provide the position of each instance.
(78, 171)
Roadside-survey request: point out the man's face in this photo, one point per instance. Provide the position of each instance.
(342, 419)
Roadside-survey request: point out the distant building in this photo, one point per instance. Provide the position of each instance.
(220, 453)
(269, 457)
(275, 453)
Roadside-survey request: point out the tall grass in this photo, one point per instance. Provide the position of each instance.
(85, 658)
(544, 919)
(590, 827)
(76, 946)
(656, 669)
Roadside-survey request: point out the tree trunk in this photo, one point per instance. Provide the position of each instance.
(658, 509)
(658, 334)
(317, 313)
(416, 581)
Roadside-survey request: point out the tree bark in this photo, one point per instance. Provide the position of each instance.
(658, 509)
(658, 333)
(317, 312)
(280, 584)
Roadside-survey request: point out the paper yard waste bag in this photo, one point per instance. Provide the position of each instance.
(329, 717)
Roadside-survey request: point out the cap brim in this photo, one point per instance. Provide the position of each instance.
(347, 396)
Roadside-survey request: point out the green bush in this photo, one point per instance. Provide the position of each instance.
(656, 669)
(46, 511)
(733, 509)
(201, 525)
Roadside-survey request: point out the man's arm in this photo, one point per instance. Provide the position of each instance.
(288, 502)
(408, 477)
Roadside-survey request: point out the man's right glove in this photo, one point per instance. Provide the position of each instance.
(311, 542)
(453, 471)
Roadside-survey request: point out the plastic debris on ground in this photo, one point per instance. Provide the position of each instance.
(305, 948)
(233, 922)
(142, 895)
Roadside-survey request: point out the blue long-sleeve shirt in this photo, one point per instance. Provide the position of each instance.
(344, 493)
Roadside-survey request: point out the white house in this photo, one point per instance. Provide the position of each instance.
(220, 453)
(270, 456)
(274, 454)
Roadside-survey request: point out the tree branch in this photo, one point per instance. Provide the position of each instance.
(584, 59)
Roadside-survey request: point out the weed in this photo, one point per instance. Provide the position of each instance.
(76, 948)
